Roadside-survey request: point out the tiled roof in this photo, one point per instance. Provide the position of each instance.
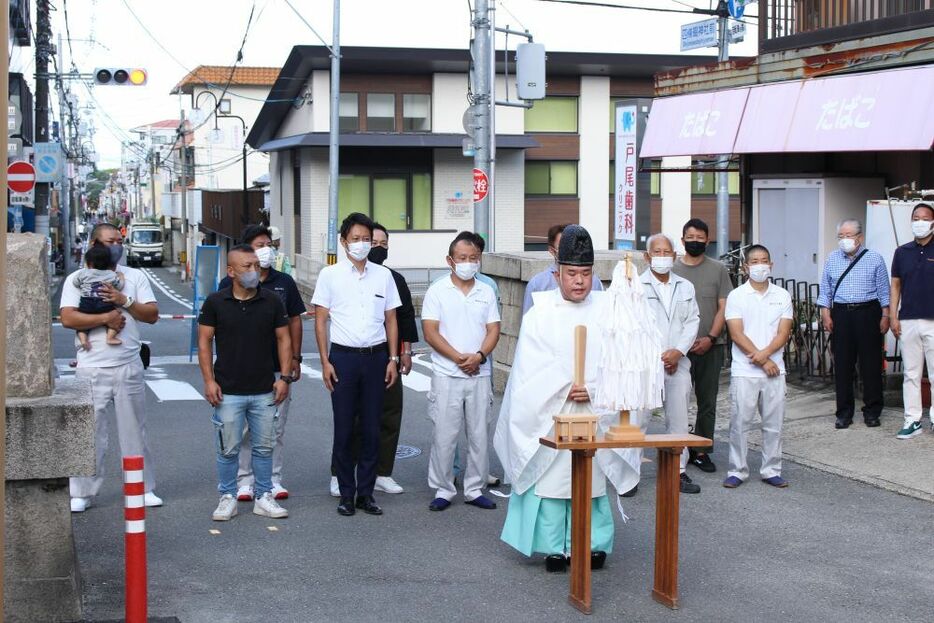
(204, 75)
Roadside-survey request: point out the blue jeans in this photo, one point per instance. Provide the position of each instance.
(233, 413)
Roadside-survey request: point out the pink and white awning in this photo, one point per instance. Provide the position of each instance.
(891, 110)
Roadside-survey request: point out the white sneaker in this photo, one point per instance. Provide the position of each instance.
(245, 493)
(79, 505)
(226, 508)
(151, 499)
(279, 492)
(335, 488)
(387, 485)
(266, 506)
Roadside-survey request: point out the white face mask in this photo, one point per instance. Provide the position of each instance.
(466, 270)
(847, 245)
(662, 265)
(921, 229)
(266, 256)
(359, 250)
(760, 272)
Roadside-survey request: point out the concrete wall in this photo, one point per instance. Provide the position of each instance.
(593, 177)
(49, 436)
(448, 103)
(29, 318)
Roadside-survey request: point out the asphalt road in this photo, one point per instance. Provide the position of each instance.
(825, 549)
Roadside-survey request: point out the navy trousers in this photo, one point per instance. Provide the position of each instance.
(358, 394)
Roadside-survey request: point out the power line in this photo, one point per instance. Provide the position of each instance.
(192, 72)
(312, 28)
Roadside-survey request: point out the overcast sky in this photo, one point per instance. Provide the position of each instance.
(209, 32)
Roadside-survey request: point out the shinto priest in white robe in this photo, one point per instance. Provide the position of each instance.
(539, 515)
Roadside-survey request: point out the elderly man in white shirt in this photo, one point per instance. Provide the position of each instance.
(674, 304)
(360, 300)
(114, 370)
(460, 320)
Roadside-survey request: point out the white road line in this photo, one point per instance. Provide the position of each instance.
(159, 285)
(167, 389)
(417, 381)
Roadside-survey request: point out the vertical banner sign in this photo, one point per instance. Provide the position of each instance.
(627, 166)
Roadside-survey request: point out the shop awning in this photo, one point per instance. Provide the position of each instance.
(891, 110)
(700, 123)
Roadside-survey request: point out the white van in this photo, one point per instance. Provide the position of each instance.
(144, 244)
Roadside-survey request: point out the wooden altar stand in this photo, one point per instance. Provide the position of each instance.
(667, 489)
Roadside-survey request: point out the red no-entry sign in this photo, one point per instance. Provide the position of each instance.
(21, 177)
(481, 185)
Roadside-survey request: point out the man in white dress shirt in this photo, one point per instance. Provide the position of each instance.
(360, 300)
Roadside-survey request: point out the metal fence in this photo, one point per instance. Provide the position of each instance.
(808, 353)
(783, 18)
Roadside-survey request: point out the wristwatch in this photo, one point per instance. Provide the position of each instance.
(129, 302)
(288, 380)
(482, 357)
(394, 359)
(298, 358)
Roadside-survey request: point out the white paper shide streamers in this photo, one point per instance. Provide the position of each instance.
(631, 375)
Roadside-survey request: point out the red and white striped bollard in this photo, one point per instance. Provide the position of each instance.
(134, 514)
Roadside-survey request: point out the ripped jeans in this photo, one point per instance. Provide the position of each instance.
(233, 413)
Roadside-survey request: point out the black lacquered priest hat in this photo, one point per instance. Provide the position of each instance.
(576, 247)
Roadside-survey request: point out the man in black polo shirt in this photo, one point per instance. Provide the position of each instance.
(259, 238)
(250, 327)
(913, 286)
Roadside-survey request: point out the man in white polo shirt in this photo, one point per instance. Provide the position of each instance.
(759, 316)
(460, 320)
(114, 370)
(360, 300)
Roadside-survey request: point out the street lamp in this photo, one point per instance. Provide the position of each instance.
(218, 107)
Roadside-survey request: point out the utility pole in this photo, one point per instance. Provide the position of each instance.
(723, 177)
(65, 190)
(184, 191)
(43, 49)
(481, 52)
(333, 151)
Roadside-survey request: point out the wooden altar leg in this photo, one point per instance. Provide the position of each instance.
(581, 472)
(666, 527)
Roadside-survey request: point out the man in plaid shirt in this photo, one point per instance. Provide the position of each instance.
(854, 308)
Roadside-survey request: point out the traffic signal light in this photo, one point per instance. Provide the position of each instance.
(128, 76)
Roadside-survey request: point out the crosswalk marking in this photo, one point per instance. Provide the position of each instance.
(167, 389)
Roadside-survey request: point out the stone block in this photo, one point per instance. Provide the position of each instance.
(51, 436)
(511, 318)
(40, 568)
(29, 317)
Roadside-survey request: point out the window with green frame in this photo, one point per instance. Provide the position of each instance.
(397, 201)
(552, 114)
(558, 177)
(705, 182)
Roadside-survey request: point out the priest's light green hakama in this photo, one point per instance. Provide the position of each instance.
(543, 525)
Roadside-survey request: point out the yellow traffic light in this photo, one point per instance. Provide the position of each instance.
(120, 76)
(137, 76)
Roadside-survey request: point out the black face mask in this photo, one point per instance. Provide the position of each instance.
(695, 248)
(378, 255)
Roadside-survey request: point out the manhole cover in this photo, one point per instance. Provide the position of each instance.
(407, 452)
